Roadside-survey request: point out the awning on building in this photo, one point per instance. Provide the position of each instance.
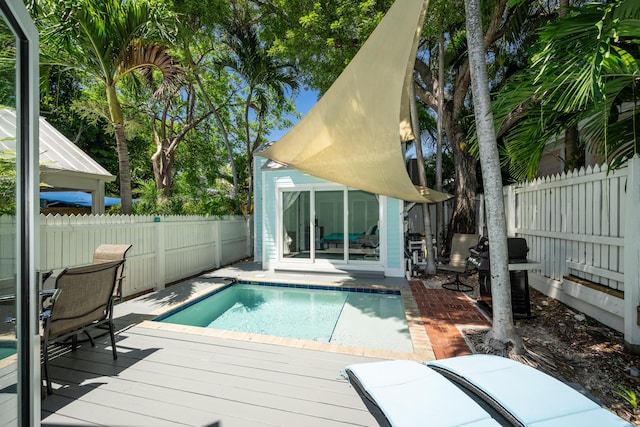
(353, 135)
(74, 198)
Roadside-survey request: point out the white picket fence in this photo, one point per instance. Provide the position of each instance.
(165, 249)
(583, 227)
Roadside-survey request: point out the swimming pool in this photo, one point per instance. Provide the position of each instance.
(7, 348)
(350, 316)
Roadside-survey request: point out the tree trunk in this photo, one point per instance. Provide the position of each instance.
(156, 157)
(429, 256)
(247, 130)
(572, 156)
(502, 333)
(440, 206)
(227, 143)
(161, 166)
(124, 169)
(463, 219)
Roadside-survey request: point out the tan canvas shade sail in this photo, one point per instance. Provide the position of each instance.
(352, 135)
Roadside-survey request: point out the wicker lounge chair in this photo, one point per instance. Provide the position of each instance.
(111, 252)
(83, 299)
(458, 264)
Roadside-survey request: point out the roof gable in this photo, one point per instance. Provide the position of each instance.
(56, 150)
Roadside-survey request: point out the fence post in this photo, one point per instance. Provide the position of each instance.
(632, 257)
(161, 276)
(510, 207)
(217, 239)
(250, 226)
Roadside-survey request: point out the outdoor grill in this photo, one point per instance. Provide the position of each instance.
(517, 252)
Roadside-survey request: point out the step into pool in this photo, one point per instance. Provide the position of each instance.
(349, 316)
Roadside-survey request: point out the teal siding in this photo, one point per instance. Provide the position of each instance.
(258, 186)
(266, 215)
(395, 255)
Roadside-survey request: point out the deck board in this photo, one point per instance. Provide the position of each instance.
(167, 378)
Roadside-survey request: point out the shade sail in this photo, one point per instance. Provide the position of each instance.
(352, 135)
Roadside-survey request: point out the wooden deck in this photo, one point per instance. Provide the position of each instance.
(164, 378)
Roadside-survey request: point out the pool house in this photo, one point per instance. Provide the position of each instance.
(304, 223)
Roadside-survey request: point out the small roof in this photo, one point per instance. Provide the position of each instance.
(57, 153)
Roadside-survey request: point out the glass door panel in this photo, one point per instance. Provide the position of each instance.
(364, 216)
(296, 220)
(331, 240)
(19, 340)
(9, 402)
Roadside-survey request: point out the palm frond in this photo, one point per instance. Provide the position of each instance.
(146, 58)
(584, 72)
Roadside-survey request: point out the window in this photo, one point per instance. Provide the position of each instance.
(321, 224)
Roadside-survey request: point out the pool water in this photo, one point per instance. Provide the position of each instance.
(375, 320)
(7, 349)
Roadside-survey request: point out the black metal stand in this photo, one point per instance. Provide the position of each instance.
(457, 286)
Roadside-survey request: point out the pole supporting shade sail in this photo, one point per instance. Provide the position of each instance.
(352, 135)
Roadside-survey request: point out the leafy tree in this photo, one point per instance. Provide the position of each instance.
(8, 182)
(507, 31)
(233, 96)
(108, 39)
(63, 100)
(266, 81)
(584, 70)
(320, 37)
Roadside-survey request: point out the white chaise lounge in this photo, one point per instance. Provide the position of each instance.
(474, 391)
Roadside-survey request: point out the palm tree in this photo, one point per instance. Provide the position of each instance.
(266, 78)
(109, 39)
(502, 332)
(585, 71)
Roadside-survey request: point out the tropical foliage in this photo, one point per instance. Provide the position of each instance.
(8, 182)
(584, 72)
(108, 40)
(176, 93)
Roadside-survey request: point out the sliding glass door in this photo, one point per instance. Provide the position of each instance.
(321, 224)
(329, 215)
(296, 217)
(19, 338)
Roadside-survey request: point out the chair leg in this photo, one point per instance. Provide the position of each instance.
(45, 356)
(113, 341)
(93, 343)
(457, 285)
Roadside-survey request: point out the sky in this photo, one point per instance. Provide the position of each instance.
(304, 101)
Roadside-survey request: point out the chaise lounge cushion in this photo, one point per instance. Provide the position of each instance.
(497, 391)
(410, 394)
(533, 397)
